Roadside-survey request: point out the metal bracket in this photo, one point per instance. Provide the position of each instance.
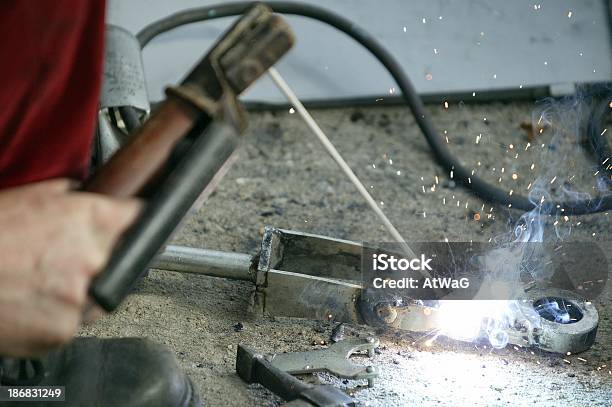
(334, 360)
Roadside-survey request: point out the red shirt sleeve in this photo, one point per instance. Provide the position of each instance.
(51, 55)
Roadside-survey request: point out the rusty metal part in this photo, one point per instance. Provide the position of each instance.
(334, 360)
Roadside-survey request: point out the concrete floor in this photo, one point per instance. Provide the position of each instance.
(285, 179)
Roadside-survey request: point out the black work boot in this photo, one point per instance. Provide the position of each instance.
(107, 372)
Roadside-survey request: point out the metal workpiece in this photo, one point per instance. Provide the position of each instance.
(252, 367)
(556, 321)
(321, 273)
(301, 275)
(215, 263)
(334, 360)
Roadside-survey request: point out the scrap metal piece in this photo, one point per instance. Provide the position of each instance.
(569, 328)
(252, 367)
(334, 360)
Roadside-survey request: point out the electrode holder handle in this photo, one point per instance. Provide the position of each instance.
(185, 147)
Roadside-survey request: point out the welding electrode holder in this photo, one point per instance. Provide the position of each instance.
(179, 154)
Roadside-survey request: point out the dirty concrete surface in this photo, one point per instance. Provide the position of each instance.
(285, 179)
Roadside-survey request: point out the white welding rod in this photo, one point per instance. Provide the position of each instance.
(293, 99)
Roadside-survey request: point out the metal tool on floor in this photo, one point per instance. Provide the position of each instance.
(334, 360)
(253, 367)
(323, 275)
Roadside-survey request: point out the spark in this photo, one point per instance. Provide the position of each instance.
(478, 137)
(473, 94)
(445, 104)
(399, 172)
(436, 51)
(428, 76)
(405, 29)
(527, 146)
(511, 146)
(553, 179)
(291, 110)
(532, 166)
(569, 14)
(424, 20)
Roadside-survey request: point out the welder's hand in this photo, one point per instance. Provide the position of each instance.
(52, 242)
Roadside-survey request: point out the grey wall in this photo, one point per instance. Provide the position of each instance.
(479, 45)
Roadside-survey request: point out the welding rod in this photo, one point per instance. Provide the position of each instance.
(293, 99)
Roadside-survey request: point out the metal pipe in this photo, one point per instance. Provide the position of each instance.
(235, 266)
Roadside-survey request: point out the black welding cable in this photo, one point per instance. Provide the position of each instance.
(444, 157)
(596, 133)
